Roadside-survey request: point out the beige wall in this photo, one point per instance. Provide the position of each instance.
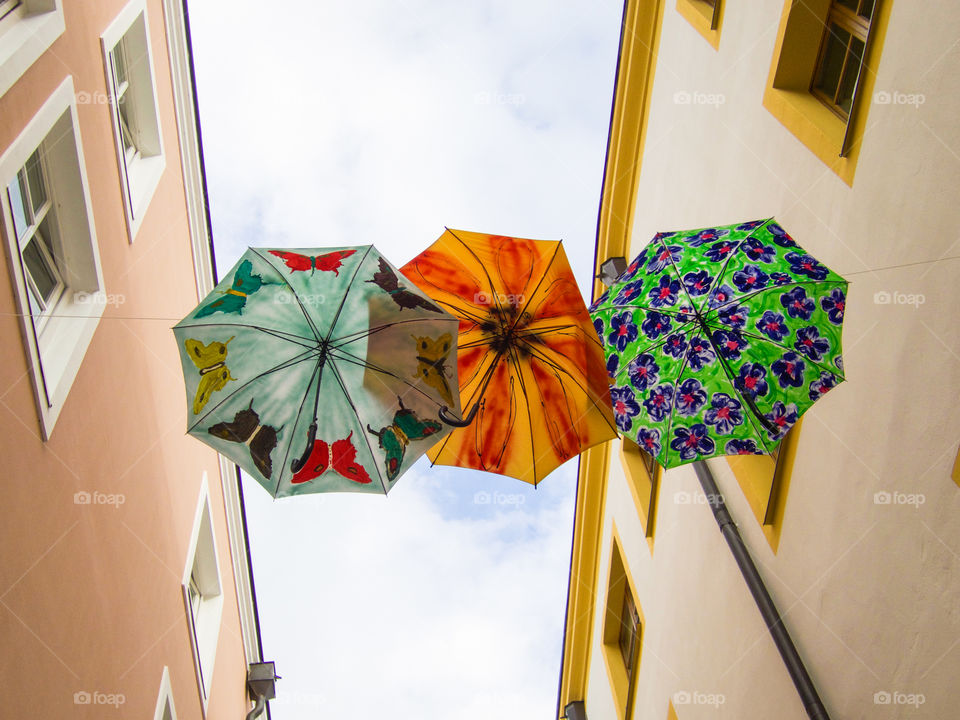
(870, 591)
(90, 595)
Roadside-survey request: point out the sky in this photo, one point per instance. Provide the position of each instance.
(344, 123)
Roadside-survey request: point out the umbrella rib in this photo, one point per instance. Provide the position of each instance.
(293, 292)
(591, 337)
(282, 366)
(523, 389)
(656, 344)
(317, 371)
(483, 267)
(646, 308)
(246, 326)
(354, 360)
(309, 343)
(366, 438)
(729, 257)
(763, 338)
(343, 299)
(752, 407)
(360, 334)
(543, 276)
(778, 288)
(556, 366)
(683, 285)
(484, 381)
(673, 400)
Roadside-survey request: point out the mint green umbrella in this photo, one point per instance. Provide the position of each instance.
(717, 340)
(318, 370)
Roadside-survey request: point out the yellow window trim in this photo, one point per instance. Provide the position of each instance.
(619, 579)
(701, 15)
(766, 483)
(671, 711)
(787, 94)
(639, 46)
(956, 470)
(644, 488)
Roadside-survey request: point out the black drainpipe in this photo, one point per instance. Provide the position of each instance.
(771, 616)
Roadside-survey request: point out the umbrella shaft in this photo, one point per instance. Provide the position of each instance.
(768, 610)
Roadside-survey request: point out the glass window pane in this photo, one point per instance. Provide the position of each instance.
(40, 271)
(46, 233)
(22, 217)
(850, 4)
(119, 64)
(38, 193)
(866, 8)
(831, 64)
(848, 82)
(628, 630)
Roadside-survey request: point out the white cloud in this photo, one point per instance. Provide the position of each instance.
(395, 610)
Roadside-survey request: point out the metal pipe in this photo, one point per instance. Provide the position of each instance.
(771, 616)
(258, 708)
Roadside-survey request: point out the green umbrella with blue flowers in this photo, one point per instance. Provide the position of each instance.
(318, 370)
(717, 340)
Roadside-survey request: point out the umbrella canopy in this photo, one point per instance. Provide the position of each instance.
(316, 370)
(717, 340)
(528, 357)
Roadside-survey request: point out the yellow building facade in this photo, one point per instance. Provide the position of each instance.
(725, 112)
(125, 586)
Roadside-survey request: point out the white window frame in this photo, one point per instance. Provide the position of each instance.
(25, 34)
(56, 344)
(203, 566)
(141, 165)
(166, 710)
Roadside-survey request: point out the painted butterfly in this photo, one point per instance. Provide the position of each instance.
(244, 283)
(246, 429)
(431, 363)
(211, 361)
(329, 262)
(395, 438)
(386, 280)
(339, 456)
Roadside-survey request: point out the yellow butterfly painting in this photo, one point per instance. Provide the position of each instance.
(211, 361)
(431, 363)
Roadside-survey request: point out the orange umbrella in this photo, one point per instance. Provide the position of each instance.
(529, 360)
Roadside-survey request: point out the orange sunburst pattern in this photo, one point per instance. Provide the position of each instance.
(527, 351)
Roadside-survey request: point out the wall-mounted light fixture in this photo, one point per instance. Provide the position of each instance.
(611, 269)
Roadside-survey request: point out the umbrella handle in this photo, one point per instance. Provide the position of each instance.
(299, 462)
(454, 421)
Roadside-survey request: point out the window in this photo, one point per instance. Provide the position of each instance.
(841, 54)
(823, 72)
(622, 632)
(130, 80)
(643, 476)
(35, 226)
(54, 263)
(27, 29)
(705, 16)
(765, 481)
(203, 594)
(165, 709)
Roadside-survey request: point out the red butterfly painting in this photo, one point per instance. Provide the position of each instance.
(329, 262)
(339, 456)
